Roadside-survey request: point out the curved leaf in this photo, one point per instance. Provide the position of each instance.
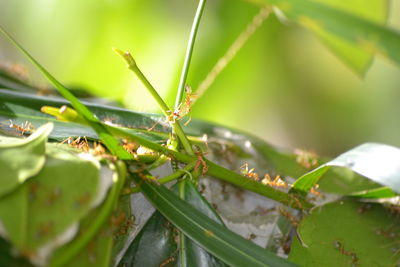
(22, 158)
(378, 162)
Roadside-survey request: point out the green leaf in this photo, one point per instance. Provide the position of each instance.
(347, 233)
(344, 29)
(213, 237)
(22, 107)
(20, 159)
(160, 236)
(43, 213)
(381, 192)
(93, 243)
(377, 162)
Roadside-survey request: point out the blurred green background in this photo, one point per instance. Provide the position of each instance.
(283, 86)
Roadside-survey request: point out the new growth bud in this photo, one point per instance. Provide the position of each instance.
(127, 57)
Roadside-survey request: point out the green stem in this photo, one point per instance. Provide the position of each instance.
(182, 237)
(218, 171)
(131, 64)
(166, 179)
(189, 51)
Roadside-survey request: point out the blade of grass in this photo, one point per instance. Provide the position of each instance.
(112, 144)
(216, 239)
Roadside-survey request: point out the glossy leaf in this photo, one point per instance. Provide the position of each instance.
(21, 158)
(159, 236)
(216, 239)
(347, 233)
(22, 107)
(335, 21)
(378, 162)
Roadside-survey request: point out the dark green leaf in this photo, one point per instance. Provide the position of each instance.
(191, 254)
(213, 237)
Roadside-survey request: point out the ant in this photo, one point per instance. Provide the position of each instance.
(244, 170)
(307, 159)
(277, 182)
(340, 247)
(24, 128)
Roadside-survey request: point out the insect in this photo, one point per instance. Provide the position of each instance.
(129, 146)
(54, 195)
(307, 159)
(244, 170)
(340, 247)
(80, 143)
(201, 162)
(293, 220)
(167, 261)
(44, 230)
(25, 127)
(314, 191)
(277, 182)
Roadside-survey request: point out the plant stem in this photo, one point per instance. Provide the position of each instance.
(182, 237)
(176, 175)
(131, 64)
(189, 51)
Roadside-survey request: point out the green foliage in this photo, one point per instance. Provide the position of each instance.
(377, 162)
(62, 206)
(346, 28)
(21, 158)
(347, 233)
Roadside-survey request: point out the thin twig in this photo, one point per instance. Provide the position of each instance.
(232, 51)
